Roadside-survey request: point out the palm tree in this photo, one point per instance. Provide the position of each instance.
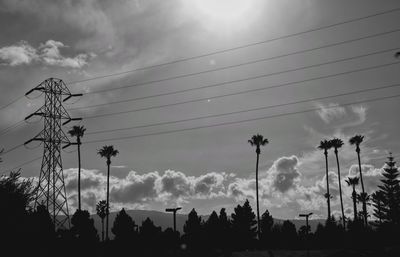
(107, 152)
(78, 132)
(336, 144)
(102, 211)
(357, 140)
(353, 182)
(257, 141)
(326, 145)
(364, 198)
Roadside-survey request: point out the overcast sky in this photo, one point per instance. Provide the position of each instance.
(206, 166)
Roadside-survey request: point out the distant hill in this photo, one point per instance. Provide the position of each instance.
(165, 220)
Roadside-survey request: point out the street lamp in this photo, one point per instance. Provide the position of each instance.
(307, 216)
(173, 210)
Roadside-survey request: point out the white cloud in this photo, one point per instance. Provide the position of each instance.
(47, 53)
(20, 53)
(331, 111)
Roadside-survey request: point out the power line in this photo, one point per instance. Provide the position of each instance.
(247, 91)
(241, 121)
(23, 164)
(10, 103)
(233, 81)
(11, 127)
(238, 47)
(247, 110)
(242, 64)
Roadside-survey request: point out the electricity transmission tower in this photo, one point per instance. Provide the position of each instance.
(51, 187)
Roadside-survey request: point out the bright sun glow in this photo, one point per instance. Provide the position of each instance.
(224, 10)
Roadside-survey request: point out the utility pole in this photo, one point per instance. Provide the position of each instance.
(51, 187)
(174, 210)
(307, 228)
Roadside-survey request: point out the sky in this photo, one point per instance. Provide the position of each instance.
(296, 72)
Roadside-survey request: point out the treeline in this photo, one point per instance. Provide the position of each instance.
(27, 231)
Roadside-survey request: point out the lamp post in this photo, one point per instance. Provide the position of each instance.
(307, 216)
(173, 210)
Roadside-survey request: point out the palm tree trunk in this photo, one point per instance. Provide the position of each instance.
(79, 174)
(364, 204)
(340, 190)
(258, 208)
(108, 194)
(355, 202)
(102, 229)
(327, 186)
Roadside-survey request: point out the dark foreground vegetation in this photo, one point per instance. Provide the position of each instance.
(30, 232)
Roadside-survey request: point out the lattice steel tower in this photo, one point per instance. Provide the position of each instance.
(51, 188)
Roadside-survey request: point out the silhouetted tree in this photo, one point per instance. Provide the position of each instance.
(353, 182)
(289, 235)
(149, 237)
(336, 144)
(83, 228)
(243, 226)
(212, 231)
(365, 199)
(267, 223)
(101, 210)
(123, 227)
(357, 140)
(378, 202)
(390, 190)
(16, 194)
(78, 132)
(108, 152)
(326, 145)
(258, 141)
(225, 231)
(193, 232)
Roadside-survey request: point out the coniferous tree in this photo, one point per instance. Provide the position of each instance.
(267, 223)
(123, 227)
(212, 231)
(83, 227)
(150, 235)
(289, 234)
(244, 226)
(225, 231)
(377, 203)
(390, 190)
(193, 232)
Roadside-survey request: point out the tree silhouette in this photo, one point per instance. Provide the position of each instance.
(193, 231)
(326, 145)
(123, 227)
(225, 231)
(212, 231)
(364, 198)
(107, 152)
(353, 182)
(78, 132)
(243, 226)
(289, 235)
(357, 140)
(101, 210)
(390, 190)
(336, 144)
(149, 237)
(378, 202)
(267, 222)
(258, 141)
(83, 227)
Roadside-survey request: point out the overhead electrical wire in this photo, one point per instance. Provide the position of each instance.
(237, 80)
(238, 47)
(223, 50)
(241, 64)
(240, 121)
(249, 110)
(249, 90)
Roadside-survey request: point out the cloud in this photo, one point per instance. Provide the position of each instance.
(47, 53)
(330, 112)
(286, 175)
(20, 53)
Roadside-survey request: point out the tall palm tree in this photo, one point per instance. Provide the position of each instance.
(326, 145)
(78, 132)
(364, 198)
(258, 141)
(357, 140)
(336, 144)
(107, 152)
(353, 182)
(101, 210)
